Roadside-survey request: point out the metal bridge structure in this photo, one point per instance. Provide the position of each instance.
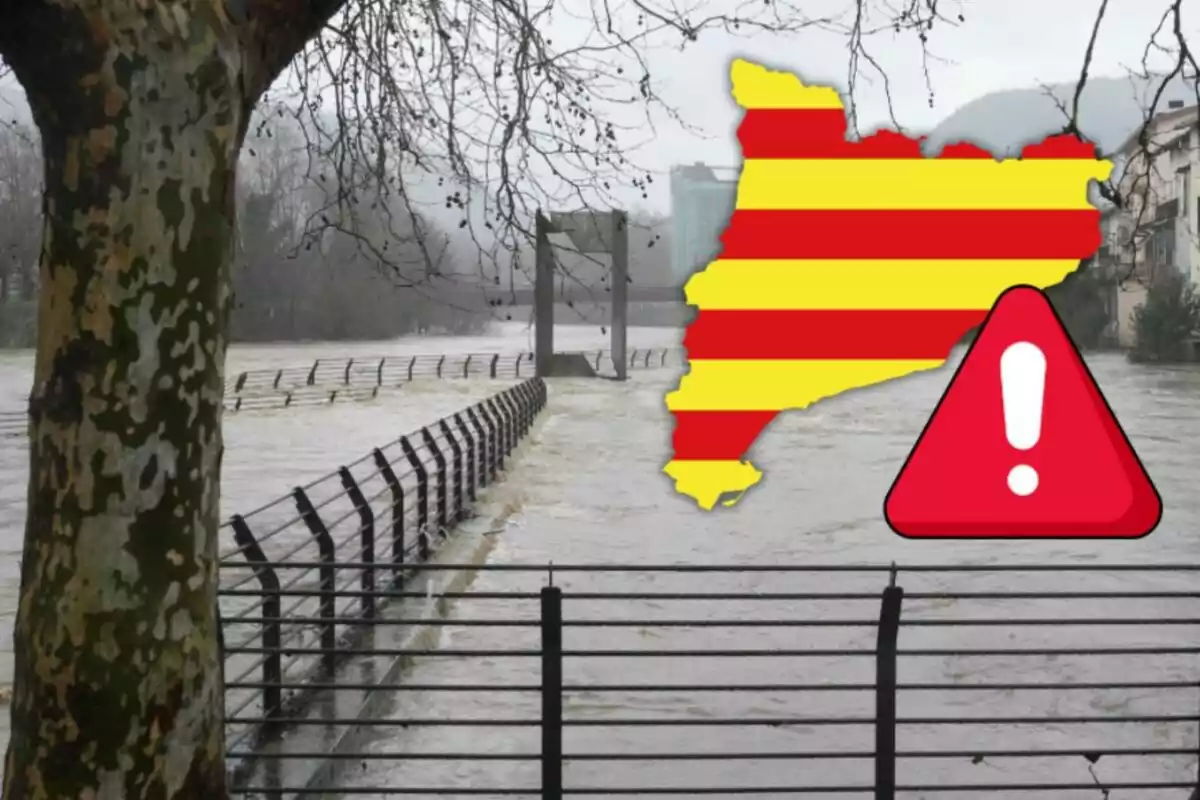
(702, 200)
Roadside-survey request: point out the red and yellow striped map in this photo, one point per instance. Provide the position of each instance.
(849, 263)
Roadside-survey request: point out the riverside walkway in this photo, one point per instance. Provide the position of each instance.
(361, 378)
(571, 293)
(478, 610)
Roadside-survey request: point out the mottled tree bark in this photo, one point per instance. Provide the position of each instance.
(117, 687)
(142, 107)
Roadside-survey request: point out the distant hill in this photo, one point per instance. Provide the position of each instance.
(1109, 111)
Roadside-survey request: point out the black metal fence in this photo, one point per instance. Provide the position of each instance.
(303, 575)
(931, 681)
(382, 371)
(13, 423)
(327, 381)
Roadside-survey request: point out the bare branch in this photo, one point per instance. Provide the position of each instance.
(274, 31)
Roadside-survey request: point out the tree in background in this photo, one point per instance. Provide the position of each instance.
(20, 232)
(1168, 321)
(20, 211)
(1080, 303)
(265, 282)
(282, 289)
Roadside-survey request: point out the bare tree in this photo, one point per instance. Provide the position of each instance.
(1137, 184)
(20, 193)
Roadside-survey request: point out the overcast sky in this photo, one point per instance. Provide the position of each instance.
(1004, 44)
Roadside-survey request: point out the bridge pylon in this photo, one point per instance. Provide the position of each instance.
(592, 233)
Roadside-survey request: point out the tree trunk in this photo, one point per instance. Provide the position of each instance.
(117, 690)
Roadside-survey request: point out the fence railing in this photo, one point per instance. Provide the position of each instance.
(302, 575)
(1044, 681)
(327, 381)
(16, 423)
(379, 371)
(13, 423)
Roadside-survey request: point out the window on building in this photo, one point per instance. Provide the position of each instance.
(1184, 176)
(1164, 246)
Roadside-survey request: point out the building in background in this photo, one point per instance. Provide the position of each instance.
(702, 200)
(1155, 234)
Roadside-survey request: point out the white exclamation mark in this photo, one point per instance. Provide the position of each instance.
(1022, 388)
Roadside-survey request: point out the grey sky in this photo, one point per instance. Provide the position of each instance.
(1004, 44)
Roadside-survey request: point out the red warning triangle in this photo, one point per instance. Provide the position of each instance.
(1023, 444)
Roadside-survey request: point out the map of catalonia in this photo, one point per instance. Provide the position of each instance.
(849, 263)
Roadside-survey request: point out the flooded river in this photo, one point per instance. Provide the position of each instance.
(826, 473)
(269, 452)
(588, 488)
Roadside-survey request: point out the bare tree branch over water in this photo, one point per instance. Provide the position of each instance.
(1135, 186)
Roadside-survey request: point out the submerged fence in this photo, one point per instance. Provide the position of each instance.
(301, 576)
(380, 371)
(1042, 681)
(328, 381)
(16, 423)
(13, 423)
